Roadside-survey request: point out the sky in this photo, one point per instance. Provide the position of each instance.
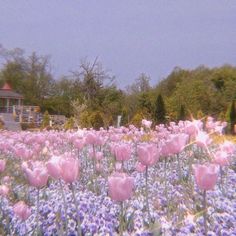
(129, 37)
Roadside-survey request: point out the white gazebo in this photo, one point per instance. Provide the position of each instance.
(9, 98)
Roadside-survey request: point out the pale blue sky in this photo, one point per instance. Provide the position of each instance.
(128, 36)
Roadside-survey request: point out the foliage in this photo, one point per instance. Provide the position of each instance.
(232, 116)
(46, 120)
(137, 118)
(182, 113)
(26, 126)
(160, 111)
(185, 92)
(70, 123)
(96, 119)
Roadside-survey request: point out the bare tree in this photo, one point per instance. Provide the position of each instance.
(92, 78)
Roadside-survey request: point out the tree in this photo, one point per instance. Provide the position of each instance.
(39, 84)
(46, 120)
(160, 111)
(141, 84)
(232, 117)
(78, 110)
(29, 76)
(91, 79)
(69, 125)
(182, 113)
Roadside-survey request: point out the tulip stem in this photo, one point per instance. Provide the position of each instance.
(165, 178)
(221, 180)
(146, 193)
(190, 162)
(37, 215)
(65, 205)
(121, 228)
(1, 211)
(179, 168)
(205, 211)
(77, 211)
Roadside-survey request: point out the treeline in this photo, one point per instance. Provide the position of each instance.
(89, 94)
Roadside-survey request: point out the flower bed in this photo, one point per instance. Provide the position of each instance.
(165, 181)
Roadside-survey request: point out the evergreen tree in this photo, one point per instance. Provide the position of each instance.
(182, 113)
(232, 117)
(160, 112)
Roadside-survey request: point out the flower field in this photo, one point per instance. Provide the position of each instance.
(165, 180)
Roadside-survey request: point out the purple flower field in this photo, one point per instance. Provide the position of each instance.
(166, 180)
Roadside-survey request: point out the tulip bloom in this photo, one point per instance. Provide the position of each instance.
(91, 138)
(140, 167)
(147, 154)
(120, 186)
(122, 152)
(118, 166)
(6, 180)
(99, 167)
(37, 176)
(177, 143)
(99, 156)
(192, 127)
(206, 176)
(203, 139)
(221, 158)
(22, 210)
(228, 147)
(2, 165)
(79, 143)
(4, 190)
(54, 167)
(147, 123)
(70, 169)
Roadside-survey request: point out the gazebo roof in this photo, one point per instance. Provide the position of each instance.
(7, 92)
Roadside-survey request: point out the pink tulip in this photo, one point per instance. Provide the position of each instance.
(210, 124)
(54, 167)
(70, 169)
(221, 158)
(79, 143)
(177, 143)
(22, 210)
(98, 167)
(99, 156)
(165, 150)
(38, 175)
(191, 128)
(6, 180)
(24, 166)
(115, 137)
(23, 152)
(4, 190)
(147, 123)
(118, 166)
(228, 147)
(147, 154)
(91, 138)
(140, 167)
(120, 186)
(91, 153)
(122, 152)
(2, 165)
(203, 139)
(206, 175)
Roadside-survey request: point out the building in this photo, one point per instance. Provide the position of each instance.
(12, 111)
(13, 114)
(9, 99)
